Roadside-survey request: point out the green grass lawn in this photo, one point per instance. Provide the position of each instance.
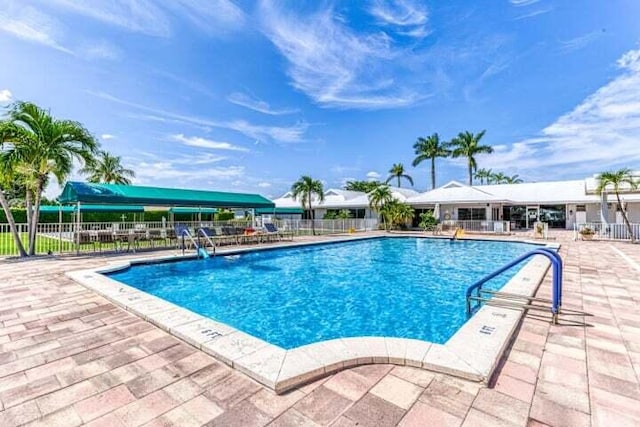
(43, 244)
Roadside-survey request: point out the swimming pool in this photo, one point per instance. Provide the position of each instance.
(393, 287)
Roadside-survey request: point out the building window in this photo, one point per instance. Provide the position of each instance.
(581, 208)
(466, 214)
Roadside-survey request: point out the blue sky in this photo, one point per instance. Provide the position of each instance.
(248, 96)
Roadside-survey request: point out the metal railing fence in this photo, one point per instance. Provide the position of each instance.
(602, 231)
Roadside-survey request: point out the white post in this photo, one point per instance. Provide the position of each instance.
(77, 236)
(604, 209)
(60, 227)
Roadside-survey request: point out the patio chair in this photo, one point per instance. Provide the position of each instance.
(272, 230)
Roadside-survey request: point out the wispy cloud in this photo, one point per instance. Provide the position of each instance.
(338, 67)
(101, 49)
(408, 16)
(580, 42)
(107, 136)
(155, 18)
(289, 134)
(519, 3)
(602, 131)
(534, 13)
(6, 96)
(195, 141)
(259, 105)
(28, 23)
(264, 184)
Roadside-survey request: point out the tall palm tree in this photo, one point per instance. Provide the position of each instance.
(378, 198)
(430, 148)
(108, 169)
(37, 146)
(304, 189)
(615, 180)
(484, 174)
(466, 144)
(397, 172)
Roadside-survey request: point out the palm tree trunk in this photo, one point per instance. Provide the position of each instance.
(625, 219)
(398, 181)
(470, 174)
(433, 173)
(34, 219)
(29, 206)
(12, 224)
(312, 216)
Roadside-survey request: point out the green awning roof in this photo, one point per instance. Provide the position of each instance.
(281, 211)
(114, 194)
(91, 208)
(180, 210)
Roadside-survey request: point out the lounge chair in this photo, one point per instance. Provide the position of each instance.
(272, 230)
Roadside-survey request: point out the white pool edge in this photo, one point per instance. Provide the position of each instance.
(473, 352)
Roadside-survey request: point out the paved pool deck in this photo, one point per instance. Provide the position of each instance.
(69, 357)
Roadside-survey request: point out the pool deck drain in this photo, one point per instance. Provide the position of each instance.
(471, 353)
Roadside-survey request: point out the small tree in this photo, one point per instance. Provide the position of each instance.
(343, 214)
(304, 189)
(427, 220)
(378, 198)
(615, 180)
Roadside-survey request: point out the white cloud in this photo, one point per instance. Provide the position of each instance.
(107, 136)
(288, 134)
(264, 184)
(534, 13)
(251, 103)
(580, 42)
(101, 50)
(338, 67)
(6, 96)
(601, 132)
(195, 141)
(373, 176)
(409, 16)
(28, 23)
(178, 174)
(154, 18)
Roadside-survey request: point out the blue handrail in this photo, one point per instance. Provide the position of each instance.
(556, 262)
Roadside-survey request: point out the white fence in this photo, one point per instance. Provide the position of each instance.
(69, 238)
(601, 231)
(478, 226)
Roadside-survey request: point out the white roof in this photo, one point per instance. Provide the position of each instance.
(451, 194)
(454, 192)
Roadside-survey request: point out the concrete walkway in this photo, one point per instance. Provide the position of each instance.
(69, 357)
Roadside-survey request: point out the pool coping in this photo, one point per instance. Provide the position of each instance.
(472, 352)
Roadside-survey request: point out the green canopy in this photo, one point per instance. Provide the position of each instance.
(279, 211)
(91, 208)
(179, 210)
(114, 194)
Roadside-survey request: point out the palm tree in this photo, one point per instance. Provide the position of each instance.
(40, 146)
(466, 144)
(6, 179)
(378, 198)
(499, 178)
(304, 189)
(484, 174)
(108, 169)
(513, 179)
(430, 148)
(397, 172)
(397, 212)
(617, 179)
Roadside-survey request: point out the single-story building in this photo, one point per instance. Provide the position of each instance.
(561, 204)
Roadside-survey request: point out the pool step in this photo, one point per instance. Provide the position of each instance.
(522, 302)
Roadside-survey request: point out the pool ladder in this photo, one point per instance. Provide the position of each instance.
(476, 295)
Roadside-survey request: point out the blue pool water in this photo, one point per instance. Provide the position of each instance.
(397, 287)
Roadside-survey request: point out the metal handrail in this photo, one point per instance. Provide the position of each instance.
(204, 234)
(556, 262)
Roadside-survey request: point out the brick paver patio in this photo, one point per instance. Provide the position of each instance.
(69, 357)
